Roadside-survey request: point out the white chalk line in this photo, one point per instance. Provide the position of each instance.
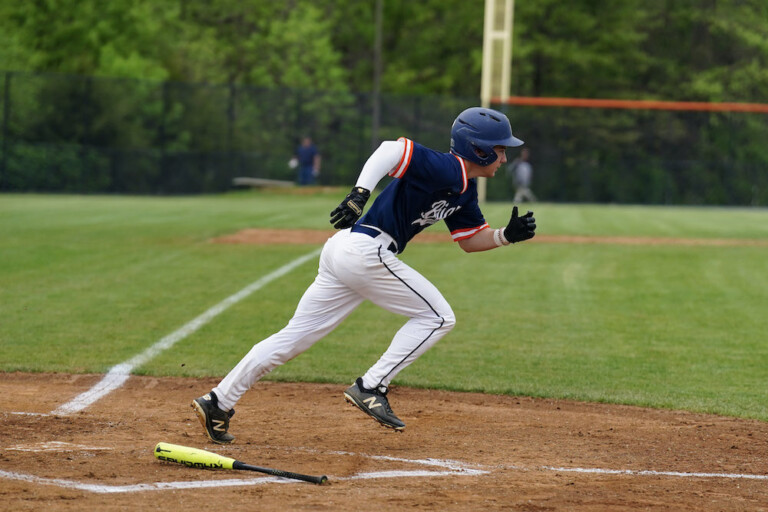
(155, 486)
(466, 467)
(451, 468)
(453, 465)
(640, 472)
(56, 446)
(119, 374)
(204, 484)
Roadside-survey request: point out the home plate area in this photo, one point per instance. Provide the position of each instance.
(460, 451)
(436, 468)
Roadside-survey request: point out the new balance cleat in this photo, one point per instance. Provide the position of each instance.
(214, 420)
(374, 403)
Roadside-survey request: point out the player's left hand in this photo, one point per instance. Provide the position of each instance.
(520, 228)
(351, 208)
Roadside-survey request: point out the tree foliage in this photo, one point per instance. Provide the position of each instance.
(708, 50)
(215, 76)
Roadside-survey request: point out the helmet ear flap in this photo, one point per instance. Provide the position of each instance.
(482, 155)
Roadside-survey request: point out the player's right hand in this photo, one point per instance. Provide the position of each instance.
(351, 208)
(520, 228)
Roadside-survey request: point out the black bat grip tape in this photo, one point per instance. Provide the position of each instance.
(279, 472)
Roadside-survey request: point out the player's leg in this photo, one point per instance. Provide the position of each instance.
(322, 308)
(396, 287)
(325, 304)
(399, 288)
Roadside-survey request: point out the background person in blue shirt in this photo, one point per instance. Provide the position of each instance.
(360, 262)
(308, 158)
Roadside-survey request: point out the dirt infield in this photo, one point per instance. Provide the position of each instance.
(460, 451)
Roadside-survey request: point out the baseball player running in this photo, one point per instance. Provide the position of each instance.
(360, 262)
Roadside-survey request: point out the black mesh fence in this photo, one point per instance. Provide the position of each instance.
(62, 133)
(645, 156)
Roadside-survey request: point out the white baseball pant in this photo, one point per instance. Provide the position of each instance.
(353, 267)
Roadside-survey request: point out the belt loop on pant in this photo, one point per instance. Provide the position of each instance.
(376, 233)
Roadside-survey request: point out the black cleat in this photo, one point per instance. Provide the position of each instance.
(374, 403)
(214, 420)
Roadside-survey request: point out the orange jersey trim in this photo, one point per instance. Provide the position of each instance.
(463, 234)
(405, 161)
(465, 181)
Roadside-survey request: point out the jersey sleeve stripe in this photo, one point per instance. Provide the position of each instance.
(399, 171)
(463, 234)
(464, 179)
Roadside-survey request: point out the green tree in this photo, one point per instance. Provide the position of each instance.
(296, 65)
(580, 48)
(709, 50)
(267, 44)
(117, 38)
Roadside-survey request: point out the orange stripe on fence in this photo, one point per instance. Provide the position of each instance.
(634, 104)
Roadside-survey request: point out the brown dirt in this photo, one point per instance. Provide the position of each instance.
(494, 452)
(308, 236)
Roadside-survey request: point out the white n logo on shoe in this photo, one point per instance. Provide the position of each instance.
(371, 402)
(218, 425)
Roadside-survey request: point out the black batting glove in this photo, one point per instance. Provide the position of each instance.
(351, 208)
(520, 228)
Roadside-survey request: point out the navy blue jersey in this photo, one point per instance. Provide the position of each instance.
(429, 186)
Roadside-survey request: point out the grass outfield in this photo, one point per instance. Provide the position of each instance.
(88, 282)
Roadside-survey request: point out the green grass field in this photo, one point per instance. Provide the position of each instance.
(88, 282)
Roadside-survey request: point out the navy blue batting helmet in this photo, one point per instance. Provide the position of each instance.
(477, 130)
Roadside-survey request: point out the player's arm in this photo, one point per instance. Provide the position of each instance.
(480, 241)
(519, 229)
(379, 164)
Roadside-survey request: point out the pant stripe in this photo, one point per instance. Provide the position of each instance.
(442, 320)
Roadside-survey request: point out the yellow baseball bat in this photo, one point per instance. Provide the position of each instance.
(202, 459)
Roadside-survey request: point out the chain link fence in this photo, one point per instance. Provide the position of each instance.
(81, 134)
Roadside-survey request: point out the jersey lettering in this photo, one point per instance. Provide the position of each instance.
(439, 211)
(428, 187)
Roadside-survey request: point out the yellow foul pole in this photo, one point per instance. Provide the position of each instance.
(497, 58)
